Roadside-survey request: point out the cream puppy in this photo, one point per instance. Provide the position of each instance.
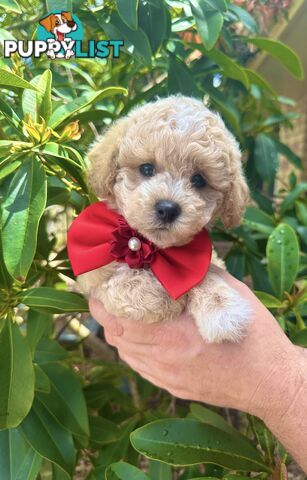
(171, 168)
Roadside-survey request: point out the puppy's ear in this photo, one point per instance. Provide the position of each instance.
(237, 197)
(103, 157)
(67, 16)
(46, 23)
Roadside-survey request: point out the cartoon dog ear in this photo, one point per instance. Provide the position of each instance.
(67, 16)
(103, 157)
(237, 197)
(46, 23)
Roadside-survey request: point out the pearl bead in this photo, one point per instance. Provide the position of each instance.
(134, 244)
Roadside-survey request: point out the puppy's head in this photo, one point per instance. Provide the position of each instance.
(59, 24)
(170, 168)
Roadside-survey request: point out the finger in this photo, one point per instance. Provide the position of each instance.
(169, 331)
(141, 369)
(152, 378)
(135, 330)
(109, 322)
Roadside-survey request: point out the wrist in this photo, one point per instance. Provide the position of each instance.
(281, 388)
(289, 422)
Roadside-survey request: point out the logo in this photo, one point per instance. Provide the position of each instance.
(60, 36)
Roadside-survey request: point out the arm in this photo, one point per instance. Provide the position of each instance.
(289, 422)
(265, 374)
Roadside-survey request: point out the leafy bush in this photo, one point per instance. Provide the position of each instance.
(63, 409)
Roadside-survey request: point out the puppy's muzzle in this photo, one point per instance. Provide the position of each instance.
(167, 211)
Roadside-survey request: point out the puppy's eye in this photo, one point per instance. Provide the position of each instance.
(57, 22)
(147, 169)
(198, 181)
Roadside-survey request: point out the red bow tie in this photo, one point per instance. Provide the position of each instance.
(99, 236)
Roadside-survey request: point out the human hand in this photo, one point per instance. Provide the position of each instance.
(173, 356)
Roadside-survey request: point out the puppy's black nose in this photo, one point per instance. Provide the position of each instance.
(71, 23)
(167, 210)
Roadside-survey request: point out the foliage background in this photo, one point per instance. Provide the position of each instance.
(66, 404)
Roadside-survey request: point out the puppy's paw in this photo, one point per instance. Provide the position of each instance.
(224, 317)
(50, 54)
(69, 54)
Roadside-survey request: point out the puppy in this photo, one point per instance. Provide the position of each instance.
(59, 24)
(177, 153)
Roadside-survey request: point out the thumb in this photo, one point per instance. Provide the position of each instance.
(111, 324)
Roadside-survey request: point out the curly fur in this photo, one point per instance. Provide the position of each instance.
(180, 137)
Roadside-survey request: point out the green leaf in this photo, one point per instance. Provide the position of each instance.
(70, 410)
(10, 115)
(264, 438)
(21, 212)
(38, 324)
(225, 106)
(235, 263)
(257, 79)
(5, 34)
(288, 153)
(5, 279)
(180, 79)
(153, 19)
(138, 39)
(302, 231)
(188, 442)
(235, 477)
(266, 158)
(208, 416)
(301, 211)
(268, 300)
(124, 471)
(18, 461)
(243, 16)
(209, 22)
(259, 274)
(290, 199)
(264, 202)
(96, 116)
(283, 258)
(159, 471)
(9, 79)
(42, 382)
(118, 450)
(284, 54)
(9, 168)
(58, 155)
(38, 104)
(16, 376)
(63, 112)
(257, 220)
(10, 5)
(102, 431)
(230, 68)
(49, 351)
(50, 300)
(48, 438)
(300, 338)
(127, 10)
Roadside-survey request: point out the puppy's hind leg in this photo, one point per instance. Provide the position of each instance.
(220, 312)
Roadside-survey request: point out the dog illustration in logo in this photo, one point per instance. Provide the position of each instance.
(59, 25)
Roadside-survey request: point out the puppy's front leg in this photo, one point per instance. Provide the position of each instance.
(220, 312)
(136, 294)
